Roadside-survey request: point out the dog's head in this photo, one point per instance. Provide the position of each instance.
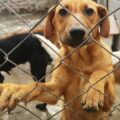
(72, 24)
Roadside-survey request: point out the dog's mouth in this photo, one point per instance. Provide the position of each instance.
(76, 43)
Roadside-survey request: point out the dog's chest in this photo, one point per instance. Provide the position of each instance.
(88, 59)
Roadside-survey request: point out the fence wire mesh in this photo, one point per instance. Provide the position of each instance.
(89, 38)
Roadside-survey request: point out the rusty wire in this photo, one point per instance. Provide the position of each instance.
(89, 38)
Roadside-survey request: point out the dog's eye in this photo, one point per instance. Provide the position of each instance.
(63, 12)
(89, 11)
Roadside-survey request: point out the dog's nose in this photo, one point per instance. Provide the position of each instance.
(77, 33)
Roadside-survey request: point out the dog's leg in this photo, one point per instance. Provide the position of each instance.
(1, 78)
(11, 94)
(38, 67)
(101, 94)
(49, 92)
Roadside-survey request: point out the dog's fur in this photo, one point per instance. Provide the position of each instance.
(90, 60)
(30, 51)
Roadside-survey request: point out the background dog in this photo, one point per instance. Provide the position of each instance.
(30, 51)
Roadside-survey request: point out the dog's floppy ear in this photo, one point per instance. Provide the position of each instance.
(49, 28)
(105, 24)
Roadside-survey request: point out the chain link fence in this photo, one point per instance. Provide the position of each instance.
(6, 57)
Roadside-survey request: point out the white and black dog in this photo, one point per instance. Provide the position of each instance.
(31, 50)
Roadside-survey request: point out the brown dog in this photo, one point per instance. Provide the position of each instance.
(82, 102)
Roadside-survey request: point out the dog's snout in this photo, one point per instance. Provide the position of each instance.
(77, 33)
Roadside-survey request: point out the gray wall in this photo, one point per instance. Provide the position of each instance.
(22, 6)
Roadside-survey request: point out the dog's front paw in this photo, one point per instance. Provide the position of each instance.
(92, 100)
(7, 96)
(11, 94)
